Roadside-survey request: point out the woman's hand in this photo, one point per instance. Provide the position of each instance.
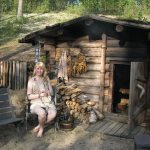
(43, 94)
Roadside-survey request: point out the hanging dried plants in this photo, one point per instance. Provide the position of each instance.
(80, 65)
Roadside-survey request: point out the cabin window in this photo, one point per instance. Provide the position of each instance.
(121, 84)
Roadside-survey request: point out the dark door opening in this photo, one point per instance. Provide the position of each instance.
(121, 82)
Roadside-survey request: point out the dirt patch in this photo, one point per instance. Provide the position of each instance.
(77, 139)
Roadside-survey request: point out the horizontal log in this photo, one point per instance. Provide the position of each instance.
(126, 52)
(72, 51)
(97, 67)
(49, 47)
(108, 59)
(93, 67)
(93, 97)
(93, 59)
(87, 82)
(71, 39)
(89, 75)
(91, 52)
(80, 44)
(92, 75)
(116, 43)
(52, 54)
(92, 90)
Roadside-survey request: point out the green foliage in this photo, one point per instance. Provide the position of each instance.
(92, 5)
(125, 8)
(75, 9)
(12, 28)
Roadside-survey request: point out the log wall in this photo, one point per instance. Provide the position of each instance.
(90, 81)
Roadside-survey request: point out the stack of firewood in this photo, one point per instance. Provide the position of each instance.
(75, 103)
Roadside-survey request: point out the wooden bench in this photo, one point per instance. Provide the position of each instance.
(7, 111)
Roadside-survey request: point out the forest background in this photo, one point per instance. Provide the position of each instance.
(12, 26)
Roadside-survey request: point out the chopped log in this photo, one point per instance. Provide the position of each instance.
(72, 91)
(75, 94)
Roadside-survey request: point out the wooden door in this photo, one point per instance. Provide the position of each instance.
(137, 96)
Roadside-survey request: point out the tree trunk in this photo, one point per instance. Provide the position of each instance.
(20, 9)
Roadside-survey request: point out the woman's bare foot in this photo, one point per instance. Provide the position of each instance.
(40, 132)
(36, 129)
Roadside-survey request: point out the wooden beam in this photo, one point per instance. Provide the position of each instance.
(102, 72)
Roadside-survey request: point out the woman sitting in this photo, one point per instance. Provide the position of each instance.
(39, 91)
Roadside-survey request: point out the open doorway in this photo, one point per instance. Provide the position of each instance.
(121, 84)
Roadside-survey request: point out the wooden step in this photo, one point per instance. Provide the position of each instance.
(4, 104)
(6, 115)
(4, 97)
(3, 90)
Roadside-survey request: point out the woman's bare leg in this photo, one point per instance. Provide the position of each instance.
(36, 129)
(51, 114)
(41, 118)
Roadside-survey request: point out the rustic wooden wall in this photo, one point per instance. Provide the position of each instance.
(130, 51)
(90, 81)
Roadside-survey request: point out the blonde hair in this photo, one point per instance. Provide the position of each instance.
(41, 65)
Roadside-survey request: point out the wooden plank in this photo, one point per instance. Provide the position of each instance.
(113, 124)
(101, 124)
(5, 115)
(4, 97)
(10, 120)
(25, 74)
(4, 104)
(125, 133)
(135, 130)
(104, 128)
(5, 109)
(17, 75)
(13, 75)
(116, 128)
(10, 74)
(3, 90)
(121, 130)
(92, 126)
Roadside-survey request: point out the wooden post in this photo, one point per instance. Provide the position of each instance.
(25, 73)
(10, 74)
(102, 70)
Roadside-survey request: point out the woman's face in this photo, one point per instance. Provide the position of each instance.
(39, 71)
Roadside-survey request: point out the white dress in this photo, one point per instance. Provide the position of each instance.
(38, 87)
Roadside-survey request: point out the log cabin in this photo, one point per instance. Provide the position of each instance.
(118, 62)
